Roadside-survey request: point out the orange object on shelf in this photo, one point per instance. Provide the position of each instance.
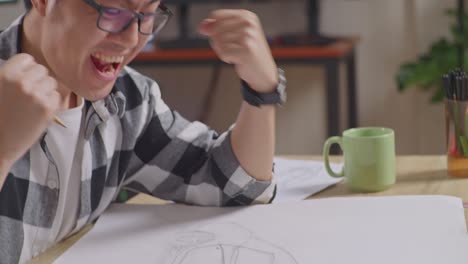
(457, 166)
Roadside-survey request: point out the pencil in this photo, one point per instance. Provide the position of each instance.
(60, 122)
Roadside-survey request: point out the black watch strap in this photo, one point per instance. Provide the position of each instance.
(278, 96)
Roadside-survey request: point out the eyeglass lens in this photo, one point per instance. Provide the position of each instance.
(115, 20)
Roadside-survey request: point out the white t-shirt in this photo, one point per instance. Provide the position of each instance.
(63, 144)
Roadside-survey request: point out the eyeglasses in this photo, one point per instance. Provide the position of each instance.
(116, 20)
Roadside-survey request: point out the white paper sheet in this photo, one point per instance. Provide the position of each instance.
(298, 179)
(384, 230)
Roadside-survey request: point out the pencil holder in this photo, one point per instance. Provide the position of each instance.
(456, 127)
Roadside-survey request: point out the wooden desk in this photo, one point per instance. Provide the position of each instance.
(415, 175)
(330, 56)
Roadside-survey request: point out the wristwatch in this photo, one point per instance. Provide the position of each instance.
(277, 97)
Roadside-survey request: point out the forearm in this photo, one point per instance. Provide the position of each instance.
(237, 37)
(253, 140)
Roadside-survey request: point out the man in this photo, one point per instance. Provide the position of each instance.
(67, 58)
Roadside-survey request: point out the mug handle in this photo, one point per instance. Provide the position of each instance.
(326, 153)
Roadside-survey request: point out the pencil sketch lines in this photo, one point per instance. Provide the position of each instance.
(226, 243)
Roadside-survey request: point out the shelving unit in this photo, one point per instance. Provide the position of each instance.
(311, 37)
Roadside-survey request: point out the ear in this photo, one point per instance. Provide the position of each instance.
(40, 6)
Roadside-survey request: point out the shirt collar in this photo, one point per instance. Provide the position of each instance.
(10, 39)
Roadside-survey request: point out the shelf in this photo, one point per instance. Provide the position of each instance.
(335, 50)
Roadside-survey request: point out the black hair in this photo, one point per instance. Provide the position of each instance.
(27, 4)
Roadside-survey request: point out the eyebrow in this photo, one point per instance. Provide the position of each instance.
(134, 2)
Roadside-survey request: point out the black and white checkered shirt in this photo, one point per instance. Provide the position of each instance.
(131, 140)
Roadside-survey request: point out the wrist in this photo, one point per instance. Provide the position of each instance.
(266, 86)
(276, 96)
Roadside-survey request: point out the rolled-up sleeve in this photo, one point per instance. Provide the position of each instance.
(187, 162)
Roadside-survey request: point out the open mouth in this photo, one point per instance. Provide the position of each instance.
(107, 65)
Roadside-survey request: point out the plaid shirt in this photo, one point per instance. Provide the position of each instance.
(132, 140)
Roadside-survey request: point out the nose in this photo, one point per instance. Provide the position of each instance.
(129, 37)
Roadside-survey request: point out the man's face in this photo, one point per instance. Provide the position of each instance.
(84, 58)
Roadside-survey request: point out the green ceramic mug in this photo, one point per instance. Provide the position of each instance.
(369, 158)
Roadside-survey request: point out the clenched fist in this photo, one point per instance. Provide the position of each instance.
(237, 38)
(28, 101)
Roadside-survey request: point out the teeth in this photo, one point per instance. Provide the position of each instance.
(108, 59)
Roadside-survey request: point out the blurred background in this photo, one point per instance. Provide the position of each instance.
(389, 34)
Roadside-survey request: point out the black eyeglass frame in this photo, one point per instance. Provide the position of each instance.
(136, 16)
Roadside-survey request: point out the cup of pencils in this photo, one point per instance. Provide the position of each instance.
(455, 85)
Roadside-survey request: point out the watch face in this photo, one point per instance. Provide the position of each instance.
(282, 93)
(282, 86)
